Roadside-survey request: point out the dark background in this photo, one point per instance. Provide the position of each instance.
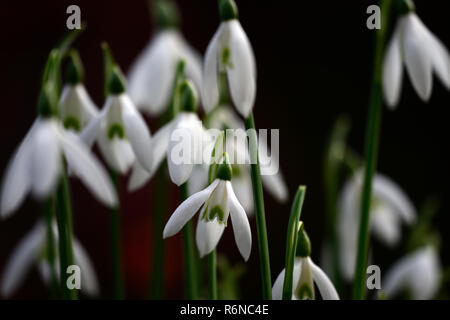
(314, 63)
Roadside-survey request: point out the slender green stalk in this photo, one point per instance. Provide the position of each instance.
(212, 275)
(291, 241)
(160, 198)
(190, 255)
(259, 211)
(64, 219)
(371, 155)
(49, 209)
(116, 247)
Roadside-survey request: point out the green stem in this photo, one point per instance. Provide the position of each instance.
(212, 274)
(190, 255)
(157, 273)
(49, 209)
(259, 210)
(371, 155)
(64, 219)
(116, 247)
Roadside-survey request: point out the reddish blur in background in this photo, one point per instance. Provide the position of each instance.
(314, 62)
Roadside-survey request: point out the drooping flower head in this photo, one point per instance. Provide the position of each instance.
(152, 75)
(305, 274)
(120, 129)
(413, 45)
(216, 203)
(230, 52)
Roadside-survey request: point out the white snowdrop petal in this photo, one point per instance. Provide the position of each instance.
(417, 58)
(326, 287)
(393, 69)
(186, 210)
(198, 179)
(89, 282)
(241, 227)
(242, 185)
(139, 177)
(24, 255)
(242, 72)
(88, 169)
(137, 132)
(208, 235)
(117, 152)
(45, 158)
(277, 289)
(16, 182)
(210, 86)
(90, 109)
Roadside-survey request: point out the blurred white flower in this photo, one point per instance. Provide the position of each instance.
(31, 250)
(305, 274)
(421, 52)
(217, 202)
(152, 74)
(390, 207)
(76, 108)
(121, 133)
(418, 272)
(230, 51)
(38, 162)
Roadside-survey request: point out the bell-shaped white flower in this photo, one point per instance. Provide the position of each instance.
(152, 74)
(121, 131)
(230, 51)
(419, 273)
(216, 203)
(421, 52)
(183, 141)
(36, 166)
(305, 274)
(390, 207)
(31, 251)
(76, 108)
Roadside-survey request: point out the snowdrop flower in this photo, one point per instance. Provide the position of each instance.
(152, 74)
(185, 132)
(120, 130)
(305, 274)
(230, 51)
(76, 108)
(31, 250)
(421, 52)
(217, 202)
(419, 272)
(389, 209)
(38, 162)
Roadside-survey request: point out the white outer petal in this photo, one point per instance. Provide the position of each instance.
(137, 132)
(210, 87)
(17, 182)
(88, 169)
(326, 287)
(241, 227)
(242, 74)
(89, 282)
(90, 109)
(277, 289)
(385, 224)
(198, 179)
(186, 210)
(24, 255)
(393, 69)
(243, 187)
(45, 158)
(416, 56)
(208, 235)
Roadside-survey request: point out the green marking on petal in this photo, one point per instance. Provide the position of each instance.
(226, 58)
(116, 129)
(304, 291)
(216, 212)
(72, 123)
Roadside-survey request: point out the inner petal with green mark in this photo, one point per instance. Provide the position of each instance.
(305, 286)
(72, 123)
(217, 205)
(116, 129)
(225, 58)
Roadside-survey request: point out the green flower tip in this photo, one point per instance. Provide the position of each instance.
(227, 10)
(166, 14)
(188, 96)
(46, 107)
(303, 242)
(75, 71)
(117, 82)
(225, 172)
(406, 6)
